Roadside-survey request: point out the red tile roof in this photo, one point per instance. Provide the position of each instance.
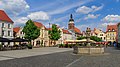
(111, 28)
(66, 31)
(4, 17)
(16, 29)
(77, 30)
(39, 25)
(49, 28)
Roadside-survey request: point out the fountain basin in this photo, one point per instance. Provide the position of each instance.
(88, 50)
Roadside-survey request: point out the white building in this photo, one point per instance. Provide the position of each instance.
(6, 26)
(65, 35)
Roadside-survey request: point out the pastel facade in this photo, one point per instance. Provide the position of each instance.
(100, 34)
(111, 33)
(43, 39)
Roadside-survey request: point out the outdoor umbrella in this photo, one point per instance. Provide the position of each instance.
(19, 40)
(4, 39)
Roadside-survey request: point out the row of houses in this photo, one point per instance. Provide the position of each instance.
(110, 35)
(43, 40)
(7, 31)
(71, 33)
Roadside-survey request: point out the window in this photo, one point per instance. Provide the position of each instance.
(113, 38)
(101, 34)
(2, 25)
(113, 34)
(2, 32)
(109, 30)
(104, 38)
(21, 32)
(8, 25)
(8, 33)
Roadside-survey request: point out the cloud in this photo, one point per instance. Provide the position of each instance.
(117, 0)
(67, 7)
(14, 6)
(41, 15)
(86, 10)
(105, 24)
(111, 18)
(91, 16)
(20, 21)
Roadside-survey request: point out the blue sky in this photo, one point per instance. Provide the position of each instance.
(86, 13)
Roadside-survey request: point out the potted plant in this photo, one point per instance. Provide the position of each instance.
(29, 46)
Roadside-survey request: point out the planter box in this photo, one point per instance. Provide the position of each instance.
(88, 50)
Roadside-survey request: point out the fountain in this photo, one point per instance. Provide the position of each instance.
(88, 49)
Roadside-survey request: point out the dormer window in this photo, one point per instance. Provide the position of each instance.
(113, 30)
(109, 30)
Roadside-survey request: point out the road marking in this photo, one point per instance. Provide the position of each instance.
(74, 61)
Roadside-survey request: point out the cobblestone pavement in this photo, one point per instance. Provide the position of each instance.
(5, 55)
(111, 58)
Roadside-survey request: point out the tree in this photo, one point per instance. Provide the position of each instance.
(54, 33)
(81, 37)
(31, 31)
(95, 38)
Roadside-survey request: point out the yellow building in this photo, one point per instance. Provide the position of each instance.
(43, 39)
(111, 33)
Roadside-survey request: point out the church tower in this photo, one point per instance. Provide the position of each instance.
(71, 23)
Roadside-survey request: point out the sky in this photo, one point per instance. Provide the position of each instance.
(86, 13)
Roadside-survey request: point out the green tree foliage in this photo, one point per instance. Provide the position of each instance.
(31, 31)
(54, 33)
(95, 38)
(80, 38)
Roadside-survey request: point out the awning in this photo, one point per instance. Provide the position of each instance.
(4, 39)
(19, 40)
(79, 41)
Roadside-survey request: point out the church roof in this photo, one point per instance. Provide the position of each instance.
(71, 18)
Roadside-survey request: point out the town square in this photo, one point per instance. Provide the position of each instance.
(54, 33)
